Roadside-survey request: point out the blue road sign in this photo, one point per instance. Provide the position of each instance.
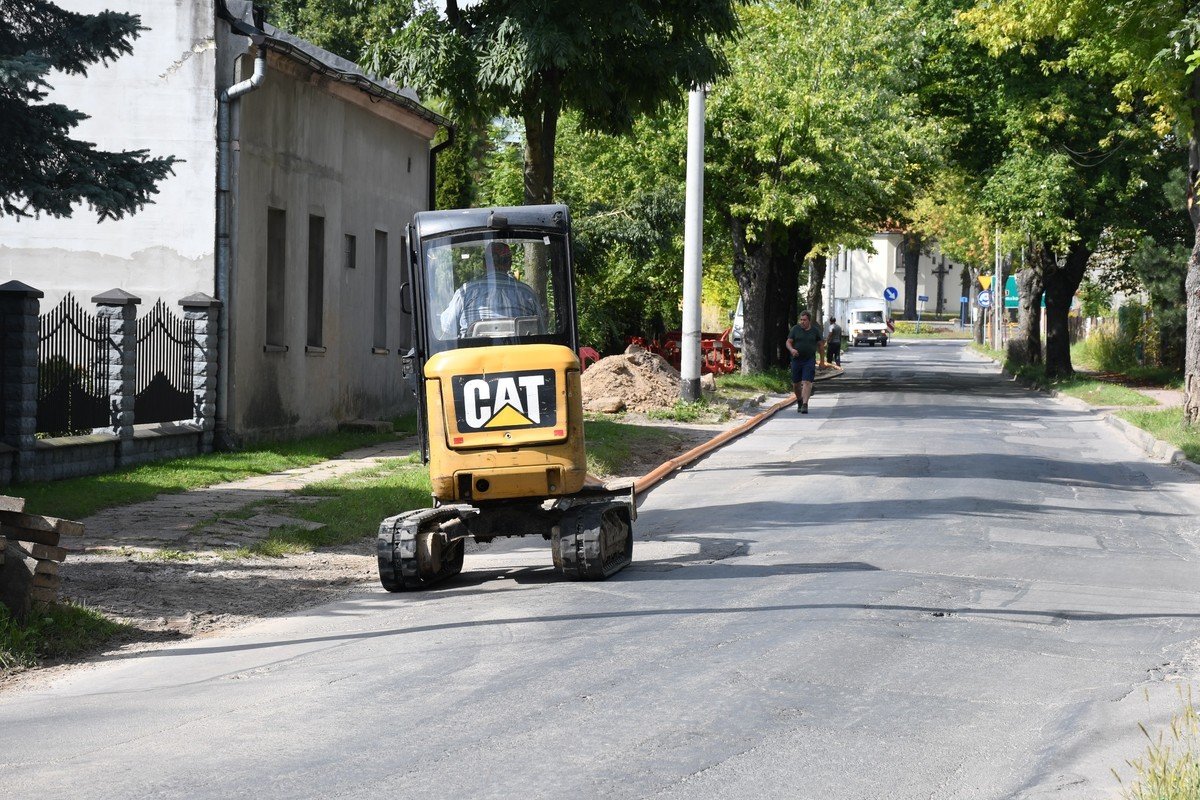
(964, 299)
(924, 298)
(890, 293)
(984, 299)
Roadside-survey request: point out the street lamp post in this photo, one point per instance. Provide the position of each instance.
(693, 236)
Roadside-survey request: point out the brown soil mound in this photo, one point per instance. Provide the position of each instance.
(636, 381)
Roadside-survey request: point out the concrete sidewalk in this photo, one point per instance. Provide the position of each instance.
(171, 521)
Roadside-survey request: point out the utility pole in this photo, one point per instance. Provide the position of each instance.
(998, 297)
(693, 238)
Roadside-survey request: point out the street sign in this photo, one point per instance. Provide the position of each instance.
(964, 299)
(890, 293)
(985, 281)
(984, 299)
(923, 298)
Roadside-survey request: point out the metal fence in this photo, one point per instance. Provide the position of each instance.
(73, 353)
(164, 367)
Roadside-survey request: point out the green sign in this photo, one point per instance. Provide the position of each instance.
(1011, 294)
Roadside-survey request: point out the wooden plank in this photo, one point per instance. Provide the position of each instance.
(44, 552)
(30, 535)
(11, 503)
(46, 568)
(41, 581)
(41, 594)
(36, 522)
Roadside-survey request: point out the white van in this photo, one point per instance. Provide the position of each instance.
(867, 321)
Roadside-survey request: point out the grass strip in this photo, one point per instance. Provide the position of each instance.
(76, 498)
(1167, 424)
(357, 503)
(610, 443)
(775, 380)
(52, 631)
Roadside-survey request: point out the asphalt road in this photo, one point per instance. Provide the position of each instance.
(935, 585)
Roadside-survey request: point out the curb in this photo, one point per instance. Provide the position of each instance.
(656, 476)
(1152, 446)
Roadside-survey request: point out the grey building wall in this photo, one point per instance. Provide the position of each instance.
(161, 98)
(309, 147)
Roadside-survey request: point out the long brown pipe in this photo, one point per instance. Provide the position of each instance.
(651, 478)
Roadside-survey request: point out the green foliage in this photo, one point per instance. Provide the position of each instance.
(342, 27)
(1111, 348)
(1095, 298)
(42, 169)
(52, 631)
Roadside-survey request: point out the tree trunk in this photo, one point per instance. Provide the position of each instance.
(783, 285)
(541, 129)
(816, 277)
(911, 247)
(752, 269)
(1061, 283)
(1191, 379)
(1026, 346)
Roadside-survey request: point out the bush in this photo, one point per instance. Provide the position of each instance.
(1111, 349)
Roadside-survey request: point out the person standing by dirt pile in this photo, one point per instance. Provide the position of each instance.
(805, 342)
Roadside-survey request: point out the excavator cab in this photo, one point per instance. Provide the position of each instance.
(496, 378)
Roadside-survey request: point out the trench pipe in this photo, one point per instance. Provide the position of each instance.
(664, 470)
(224, 287)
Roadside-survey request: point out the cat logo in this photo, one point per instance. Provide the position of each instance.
(505, 400)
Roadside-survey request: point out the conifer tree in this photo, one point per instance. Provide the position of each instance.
(43, 170)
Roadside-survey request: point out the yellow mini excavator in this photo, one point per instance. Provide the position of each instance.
(494, 369)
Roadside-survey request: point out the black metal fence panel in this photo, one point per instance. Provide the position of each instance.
(164, 367)
(73, 353)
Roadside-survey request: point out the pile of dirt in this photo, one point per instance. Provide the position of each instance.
(637, 380)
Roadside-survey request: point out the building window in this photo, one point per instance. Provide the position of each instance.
(276, 275)
(349, 251)
(316, 279)
(381, 281)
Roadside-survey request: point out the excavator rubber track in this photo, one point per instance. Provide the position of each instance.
(594, 540)
(398, 548)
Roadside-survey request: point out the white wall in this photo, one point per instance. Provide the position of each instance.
(160, 98)
(308, 148)
(869, 273)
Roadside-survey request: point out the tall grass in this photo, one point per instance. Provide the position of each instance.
(1170, 767)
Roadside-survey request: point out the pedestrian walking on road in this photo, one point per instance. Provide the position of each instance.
(833, 342)
(805, 342)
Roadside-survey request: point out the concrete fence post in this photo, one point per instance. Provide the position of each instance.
(117, 310)
(19, 309)
(205, 313)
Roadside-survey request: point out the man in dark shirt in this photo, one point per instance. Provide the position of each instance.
(804, 343)
(833, 342)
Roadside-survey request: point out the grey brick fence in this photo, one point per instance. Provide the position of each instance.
(27, 455)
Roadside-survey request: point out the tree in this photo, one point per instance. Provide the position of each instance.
(42, 169)
(1149, 53)
(813, 142)
(530, 60)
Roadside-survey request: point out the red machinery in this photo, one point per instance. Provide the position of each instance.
(717, 355)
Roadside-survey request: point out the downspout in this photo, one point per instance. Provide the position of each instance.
(433, 153)
(224, 286)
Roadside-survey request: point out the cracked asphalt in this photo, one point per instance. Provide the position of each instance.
(937, 584)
